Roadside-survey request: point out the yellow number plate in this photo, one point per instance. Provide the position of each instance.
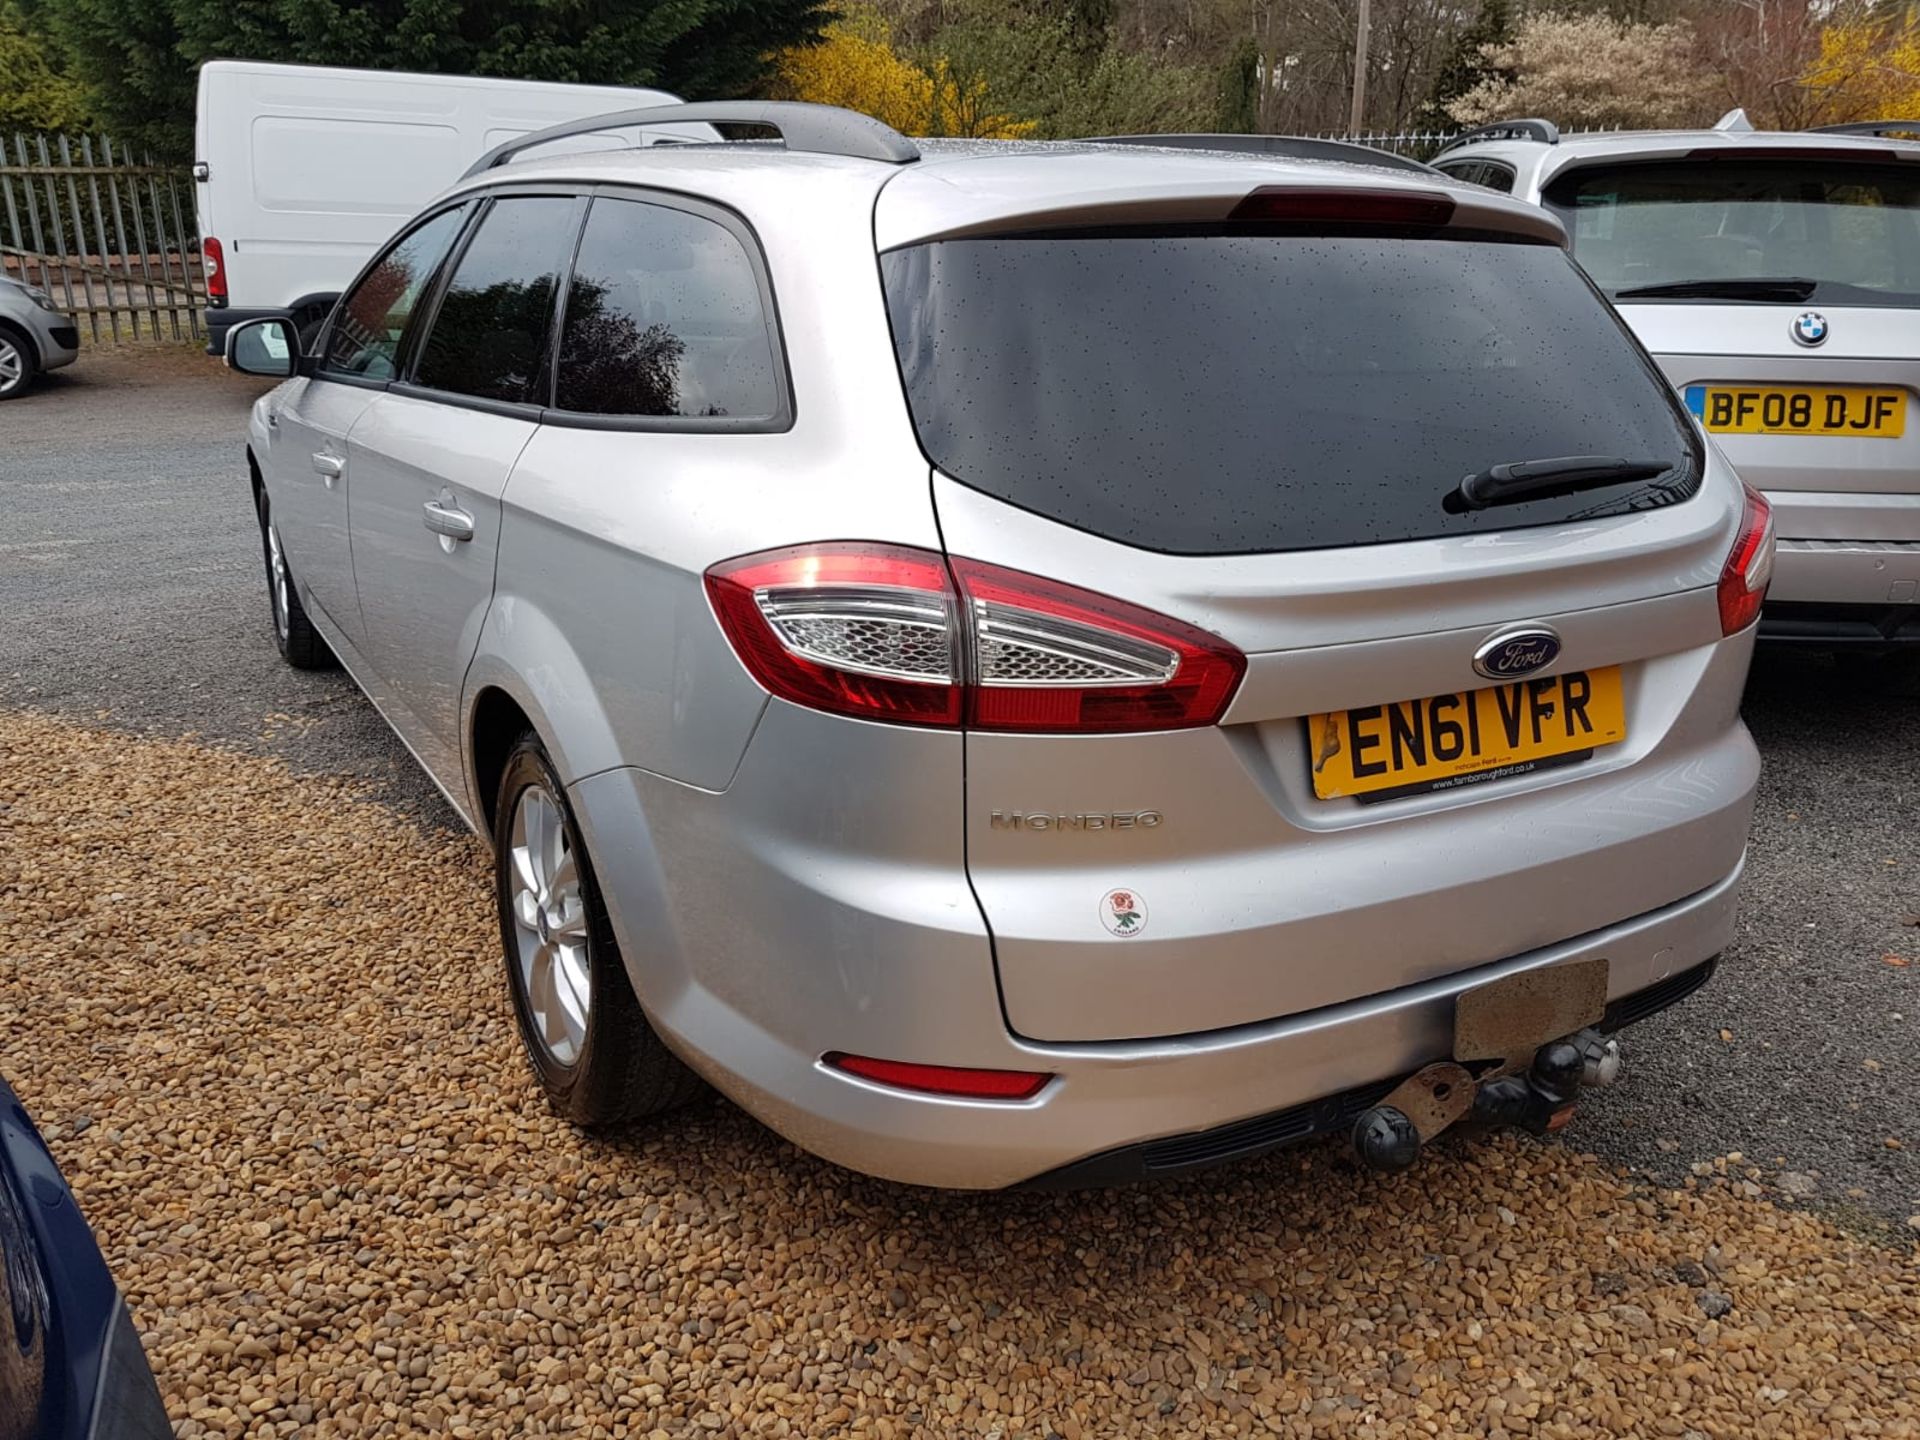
(1459, 739)
(1876, 412)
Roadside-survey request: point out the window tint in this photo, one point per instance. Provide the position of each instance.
(365, 336)
(1496, 176)
(489, 336)
(1226, 394)
(1853, 228)
(664, 317)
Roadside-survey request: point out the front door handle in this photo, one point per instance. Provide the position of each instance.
(330, 467)
(448, 520)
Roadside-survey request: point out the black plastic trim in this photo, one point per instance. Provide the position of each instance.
(1809, 623)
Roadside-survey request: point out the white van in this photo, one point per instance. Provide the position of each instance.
(304, 169)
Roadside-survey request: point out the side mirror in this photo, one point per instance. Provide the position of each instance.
(264, 347)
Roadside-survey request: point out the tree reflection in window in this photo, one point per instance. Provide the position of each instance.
(489, 336)
(610, 366)
(664, 318)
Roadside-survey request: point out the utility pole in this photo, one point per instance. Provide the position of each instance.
(1359, 111)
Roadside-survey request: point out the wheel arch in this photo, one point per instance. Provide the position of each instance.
(526, 676)
(25, 337)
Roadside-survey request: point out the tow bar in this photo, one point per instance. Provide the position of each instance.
(1519, 1077)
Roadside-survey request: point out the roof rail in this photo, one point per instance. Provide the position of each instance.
(1870, 127)
(814, 129)
(1293, 147)
(1544, 130)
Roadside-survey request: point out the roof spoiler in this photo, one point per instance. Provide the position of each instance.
(1542, 130)
(1290, 147)
(812, 129)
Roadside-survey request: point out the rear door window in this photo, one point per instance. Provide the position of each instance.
(1852, 228)
(1239, 393)
(666, 318)
(489, 335)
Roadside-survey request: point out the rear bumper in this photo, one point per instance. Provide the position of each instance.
(1837, 549)
(756, 1025)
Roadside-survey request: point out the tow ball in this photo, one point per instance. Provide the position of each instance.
(1538, 1098)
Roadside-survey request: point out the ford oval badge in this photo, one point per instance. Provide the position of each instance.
(1511, 654)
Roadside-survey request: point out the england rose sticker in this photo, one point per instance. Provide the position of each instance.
(1123, 912)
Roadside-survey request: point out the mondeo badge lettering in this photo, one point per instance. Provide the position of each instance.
(1080, 820)
(1513, 653)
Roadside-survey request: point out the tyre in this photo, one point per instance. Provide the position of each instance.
(300, 644)
(307, 323)
(591, 1048)
(18, 363)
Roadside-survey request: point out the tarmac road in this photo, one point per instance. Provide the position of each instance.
(131, 594)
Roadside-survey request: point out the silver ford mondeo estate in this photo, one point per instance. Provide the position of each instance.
(1032, 663)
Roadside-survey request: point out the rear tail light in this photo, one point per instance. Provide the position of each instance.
(1419, 208)
(889, 633)
(952, 1080)
(213, 264)
(1743, 579)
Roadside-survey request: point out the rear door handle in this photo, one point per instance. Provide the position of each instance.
(330, 467)
(448, 520)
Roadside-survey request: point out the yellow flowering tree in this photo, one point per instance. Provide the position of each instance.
(856, 66)
(1867, 72)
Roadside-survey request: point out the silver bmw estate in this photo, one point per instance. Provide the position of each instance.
(1043, 663)
(1775, 276)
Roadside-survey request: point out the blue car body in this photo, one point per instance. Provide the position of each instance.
(71, 1366)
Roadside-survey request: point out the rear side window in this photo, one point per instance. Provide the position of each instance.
(365, 337)
(489, 336)
(1240, 393)
(1852, 228)
(665, 317)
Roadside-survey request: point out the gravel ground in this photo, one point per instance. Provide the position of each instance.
(260, 1018)
(130, 580)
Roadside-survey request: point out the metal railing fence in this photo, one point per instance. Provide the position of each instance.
(110, 236)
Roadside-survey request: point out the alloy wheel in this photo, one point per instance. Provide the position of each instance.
(13, 365)
(550, 925)
(277, 581)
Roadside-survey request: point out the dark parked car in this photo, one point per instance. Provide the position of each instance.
(71, 1366)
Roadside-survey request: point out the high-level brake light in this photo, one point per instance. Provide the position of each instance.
(1335, 207)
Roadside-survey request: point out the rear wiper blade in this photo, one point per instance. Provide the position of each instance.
(1787, 288)
(1519, 480)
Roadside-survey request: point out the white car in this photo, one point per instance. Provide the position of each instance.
(1776, 278)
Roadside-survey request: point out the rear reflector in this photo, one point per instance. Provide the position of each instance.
(213, 265)
(1420, 208)
(890, 633)
(1743, 579)
(943, 1079)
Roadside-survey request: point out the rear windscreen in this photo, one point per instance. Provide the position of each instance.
(1227, 394)
(1853, 229)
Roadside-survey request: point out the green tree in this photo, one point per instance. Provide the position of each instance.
(138, 58)
(1466, 64)
(1239, 108)
(34, 94)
